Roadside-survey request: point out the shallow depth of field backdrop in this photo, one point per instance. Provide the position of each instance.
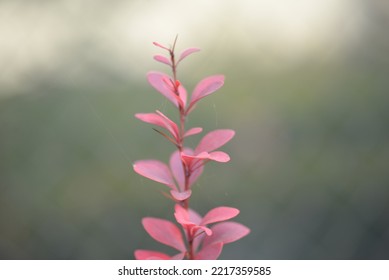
(307, 91)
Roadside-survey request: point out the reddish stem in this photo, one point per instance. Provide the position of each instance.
(180, 146)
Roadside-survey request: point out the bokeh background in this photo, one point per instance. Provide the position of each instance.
(307, 91)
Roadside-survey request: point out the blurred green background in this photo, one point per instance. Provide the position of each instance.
(307, 91)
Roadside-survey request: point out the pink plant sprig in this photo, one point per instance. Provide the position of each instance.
(185, 167)
(206, 242)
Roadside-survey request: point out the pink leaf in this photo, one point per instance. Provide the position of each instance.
(206, 87)
(219, 214)
(169, 125)
(179, 256)
(195, 230)
(157, 80)
(214, 140)
(150, 255)
(187, 52)
(177, 169)
(180, 196)
(198, 241)
(194, 216)
(160, 120)
(188, 159)
(193, 131)
(162, 59)
(210, 252)
(215, 156)
(226, 232)
(183, 95)
(219, 156)
(155, 170)
(182, 215)
(164, 232)
(151, 118)
(159, 45)
(195, 175)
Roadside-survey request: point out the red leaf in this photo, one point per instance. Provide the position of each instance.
(183, 95)
(226, 232)
(169, 125)
(157, 80)
(179, 256)
(206, 87)
(162, 59)
(150, 118)
(198, 241)
(210, 252)
(159, 45)
(214, 140)
(183, 217)
(177, 169)
(193, 131)
(155, 170)
(164, 232)
(187, 52)
(215, 156)
(190, 159)
(219, 214)
(195, 175)
(194, 216)
(180, 196)
(196, 229)
(150, 255)
(160, 120)
(219, 156)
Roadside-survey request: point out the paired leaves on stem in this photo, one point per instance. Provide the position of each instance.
(197, 240)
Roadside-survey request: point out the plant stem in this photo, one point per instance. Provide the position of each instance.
(185, 203)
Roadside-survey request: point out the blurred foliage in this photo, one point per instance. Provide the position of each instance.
(309, 167)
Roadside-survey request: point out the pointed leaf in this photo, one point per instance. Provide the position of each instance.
(187, 52)
(157, 80)
(214, 139)
(151, 118)
(164, 232)
(150, 255)
(226, 232)
(162, 59)
(206, 87)
(160, 120)
(169, 125)
(159, 45)
(219, 214)
(210, 252)
(167, 137)
(155, 170)
(193, 131)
